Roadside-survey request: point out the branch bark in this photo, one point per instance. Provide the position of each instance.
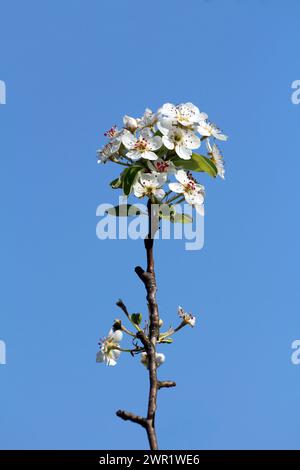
(149, 343)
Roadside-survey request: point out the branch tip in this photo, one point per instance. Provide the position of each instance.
(128, 416)
(165, 384)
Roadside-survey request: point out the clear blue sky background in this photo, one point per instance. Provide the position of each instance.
(72, 69)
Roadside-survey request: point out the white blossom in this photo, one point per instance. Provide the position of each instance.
(115, 135)
(217, 158)
(148, 119)
(160, 359)
(192, 191)
(150, 184)
(109, 150)
(162, 166)
(130, 123)
(208, 129)
(143, 146)
(187, 318)
(108, 352)
(186, 114)
(182, 140)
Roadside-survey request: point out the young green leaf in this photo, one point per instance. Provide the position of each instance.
(182, 219)
(129, 177)
(136, 318)
(125, 210)
(169, 213)
(167, 341)
(197, 163)
(166, 211)
(117, 183)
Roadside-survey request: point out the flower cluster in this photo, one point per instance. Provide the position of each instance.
(110, 346)
(158, 146)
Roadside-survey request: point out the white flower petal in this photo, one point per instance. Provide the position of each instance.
(116, 336)
(129, 123)
(148, 155)
(115, 354)
(159, 193)
(144, 359)
(182, 177)
(138, 190)
(176, 187)
(155, 143)
(164, 125)
(111, 362)
(183, 152)
(191, 141)
(99, 356)
(129, 140)
(146, 133)
(204, 129)
(188, 114)
(200, 209)
(203, 117)
(134, 154)
(161, 178)
(220, 136)
(168, 110)
(160, 359)
(167, 142)
(194, 198)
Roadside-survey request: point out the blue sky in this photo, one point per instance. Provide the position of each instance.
(71, 70)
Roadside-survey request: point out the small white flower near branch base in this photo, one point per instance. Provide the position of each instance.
(159, 357)
(109, 348)
(186, 318)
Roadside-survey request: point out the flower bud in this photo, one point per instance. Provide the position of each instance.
(117, 325)
(130, 123)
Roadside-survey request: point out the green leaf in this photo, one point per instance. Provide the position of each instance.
(136, 318)
(129, 176)
(167, 340)
(197, 163)
(125, 210)
(182, 219)
(117, 183)
(166, 211)
(169, 213)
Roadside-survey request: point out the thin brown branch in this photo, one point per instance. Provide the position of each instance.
(149, 343)
(165, 384)
(148, 278)
(128, 416)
